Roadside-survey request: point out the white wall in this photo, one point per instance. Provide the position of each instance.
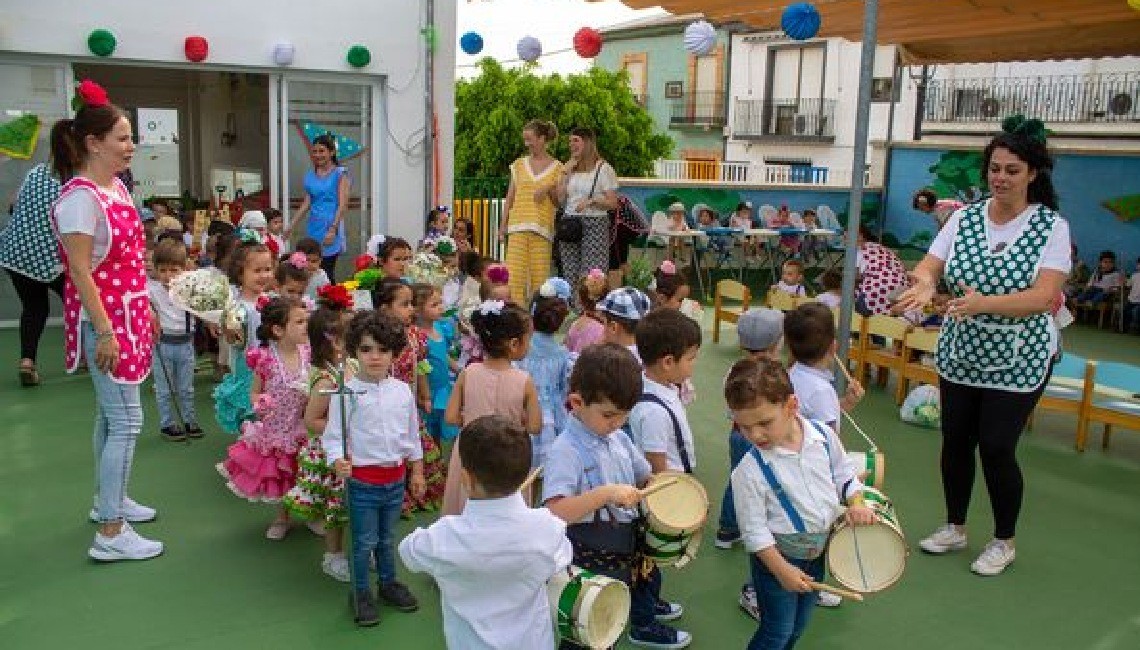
(748, 80)
(242, 35)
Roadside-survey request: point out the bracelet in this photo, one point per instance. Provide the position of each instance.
(105, 334)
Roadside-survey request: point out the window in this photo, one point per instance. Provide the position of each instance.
(636, 65)
(883, 90)
(249, 181)
(796, 72)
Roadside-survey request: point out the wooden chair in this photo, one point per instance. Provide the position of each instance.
(918, 342)
(886, 357)
(732, 290)
(1113, 401)
(784, 301)
(855, 348)
(1069, 390)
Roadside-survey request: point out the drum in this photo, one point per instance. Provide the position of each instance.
(868, 558)
(675, 517)
(589, 609)
(871, 467)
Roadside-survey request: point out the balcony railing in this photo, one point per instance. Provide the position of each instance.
(790, 120)
(1109, 97)
(753, 173)
(698, 109)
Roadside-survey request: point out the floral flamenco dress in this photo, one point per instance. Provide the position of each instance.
(404, 369)
(318, 494)
(262, 465)
(231, 397)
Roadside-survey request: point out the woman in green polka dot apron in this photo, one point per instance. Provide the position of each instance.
(1005, 259)
(30, 253)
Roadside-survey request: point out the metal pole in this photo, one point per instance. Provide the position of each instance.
(896, 81)
(855, 209)
(920, 102)
(430, 39)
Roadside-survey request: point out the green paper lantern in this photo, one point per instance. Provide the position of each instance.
(101, 42)
(358, 56)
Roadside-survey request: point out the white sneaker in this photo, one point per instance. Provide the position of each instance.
(133, 511)
(945, 539)
(335, 565)
(127, 545)
(995, 557)
(828, 599)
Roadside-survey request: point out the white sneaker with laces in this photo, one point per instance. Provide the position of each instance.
(995, 557)
(335, 565)
(828, 599)
(133, 511)
(947, 538)
(127, 545)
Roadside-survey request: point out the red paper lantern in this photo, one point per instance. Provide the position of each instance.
(587, 42)
(197, 48)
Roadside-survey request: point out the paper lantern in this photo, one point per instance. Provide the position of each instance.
(283, 53)
(358, 56)
(471, 43)
(101, 42)
(197, 48)
(700, 38)
(800, 21)
(587, 42)
(529, 49)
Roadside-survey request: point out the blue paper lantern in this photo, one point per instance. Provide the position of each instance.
(800, 21)
(529, 49)
(471, 43)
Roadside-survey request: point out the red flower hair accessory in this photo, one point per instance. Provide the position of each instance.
(91, 94)
(334, 296)
(498, 274)
(364, 261)
(299, 260)
(263, 301)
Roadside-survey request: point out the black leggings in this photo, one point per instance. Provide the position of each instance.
(33, 296)
(329, 265)
(990, 421)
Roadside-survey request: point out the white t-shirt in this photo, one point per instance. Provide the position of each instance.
(818, 399)
(652, 428)
(1056, 255)
(832, 300)
(79, 212)
(171, 318)
(579, 188)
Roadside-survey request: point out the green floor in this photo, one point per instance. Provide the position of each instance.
(1076, 583)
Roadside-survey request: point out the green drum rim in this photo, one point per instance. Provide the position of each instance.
(566, 601)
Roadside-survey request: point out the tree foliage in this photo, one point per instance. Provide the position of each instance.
(491, 109)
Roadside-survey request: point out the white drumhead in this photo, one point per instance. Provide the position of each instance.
(682, 506)
(882, 556)
(604, 611)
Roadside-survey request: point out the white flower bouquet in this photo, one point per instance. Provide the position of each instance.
(204, 293)
(426, 268)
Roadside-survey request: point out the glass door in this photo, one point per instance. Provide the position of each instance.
(302, 107)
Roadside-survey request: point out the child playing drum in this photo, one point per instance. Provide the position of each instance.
(496, 546)
(788, 491)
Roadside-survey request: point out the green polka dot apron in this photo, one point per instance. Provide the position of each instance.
(28, 245)
(987, 350)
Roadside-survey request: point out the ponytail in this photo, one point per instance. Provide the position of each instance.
(68, 136)
(64, 149)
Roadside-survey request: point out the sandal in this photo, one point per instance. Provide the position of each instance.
(277, 530)
(29, 376)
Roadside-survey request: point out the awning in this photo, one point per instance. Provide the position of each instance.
(953, 31)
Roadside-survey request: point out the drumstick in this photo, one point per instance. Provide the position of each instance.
(530, 478)
(657, 487)
(822, 586)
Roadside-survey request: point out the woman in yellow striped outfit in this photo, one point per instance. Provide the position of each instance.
(528, 219)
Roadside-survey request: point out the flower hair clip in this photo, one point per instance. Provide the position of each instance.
(492, 307)
(335, 296)
(299, 260)
(375, 243)
(498, 274)
(1033, 128)
(364, 261)
(89, 94)
(668, 267)
(251, 236)
(263, 301)
(595, 275)
(445, 246)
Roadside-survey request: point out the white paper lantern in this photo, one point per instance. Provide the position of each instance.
(283, 53)
(529, 49)
(700, 38)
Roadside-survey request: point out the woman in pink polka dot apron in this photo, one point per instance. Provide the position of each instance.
(107, 316)
(881, 274)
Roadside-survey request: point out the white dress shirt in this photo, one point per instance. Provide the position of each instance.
(383, 424)
(818, 399)
(806, 477)
(492, 563)
(652, 428)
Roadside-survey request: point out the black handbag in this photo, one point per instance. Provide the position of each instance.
(568, 230)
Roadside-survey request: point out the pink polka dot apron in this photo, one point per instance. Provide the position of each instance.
(121, 281)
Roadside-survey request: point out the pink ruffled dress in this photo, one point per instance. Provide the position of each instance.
(262, 465)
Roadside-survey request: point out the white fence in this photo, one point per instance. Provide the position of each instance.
(753, 173)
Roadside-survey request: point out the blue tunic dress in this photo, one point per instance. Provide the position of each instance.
(323, 203)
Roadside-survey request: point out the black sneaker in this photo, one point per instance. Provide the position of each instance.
(194, 431)
(363, 607)
(174, 434)
(666, 611)
(726, 538)
(657, 635)
(397, 595)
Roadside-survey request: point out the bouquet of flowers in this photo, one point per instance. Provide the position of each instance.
(426, 268)
(204, 293)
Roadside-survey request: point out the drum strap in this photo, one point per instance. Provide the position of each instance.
(681, 449)
(774, 483)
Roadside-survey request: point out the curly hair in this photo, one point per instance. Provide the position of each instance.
(1032, 153)
(385, 330)
(240, 257)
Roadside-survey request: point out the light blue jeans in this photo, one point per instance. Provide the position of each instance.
(118, 421)
(173, 374)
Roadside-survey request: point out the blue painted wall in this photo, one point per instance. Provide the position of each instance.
(1083, 183)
